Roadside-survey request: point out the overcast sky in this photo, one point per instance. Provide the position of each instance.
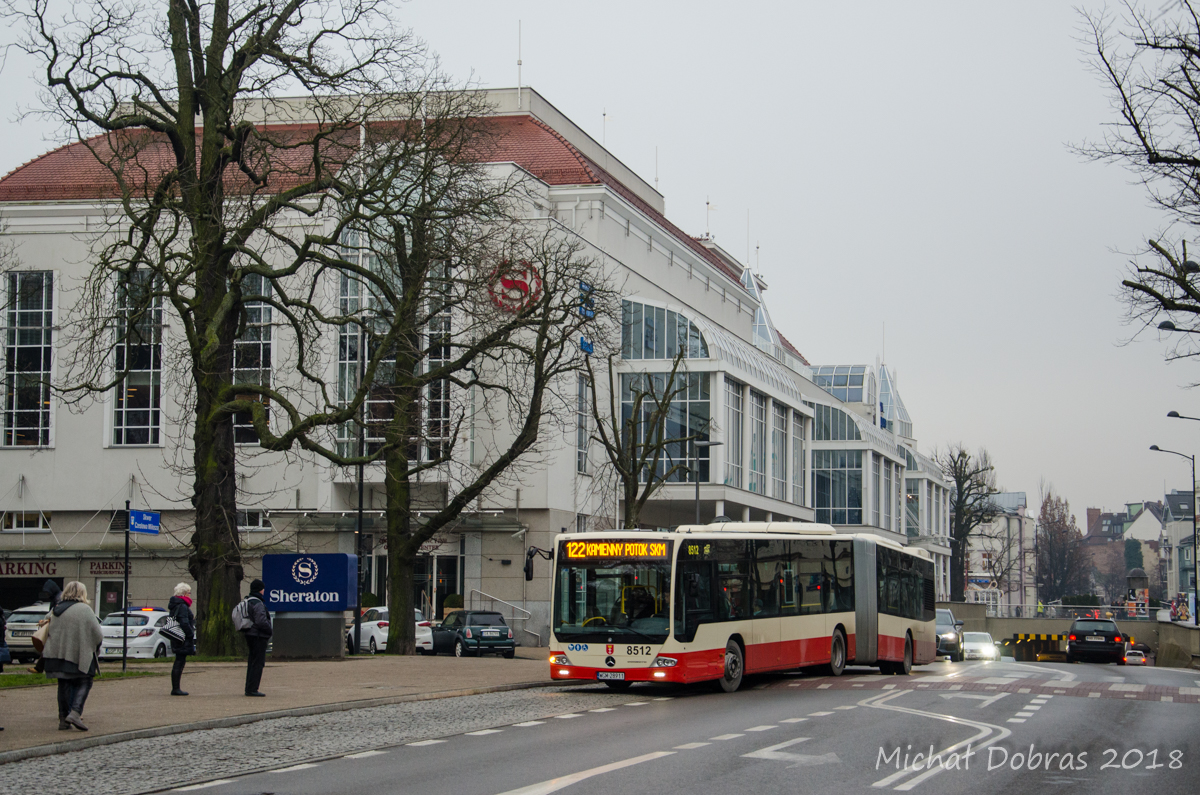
(902, 164)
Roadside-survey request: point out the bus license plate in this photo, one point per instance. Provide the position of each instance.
(1095, 637)
(610, 675)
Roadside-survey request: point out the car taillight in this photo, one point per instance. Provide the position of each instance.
(469, 635)
(145, 633)
(510, 634)
(424, 623)
(1072, 637)
(382, 624)
(1117, 639)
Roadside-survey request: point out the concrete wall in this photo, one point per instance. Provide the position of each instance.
(1178, 645)
(975, 619)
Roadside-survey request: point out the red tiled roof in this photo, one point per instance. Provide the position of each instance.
(75, 172)
(792, 348)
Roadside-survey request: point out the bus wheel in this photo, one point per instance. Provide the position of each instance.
(837, 653)
(734, 667)
(905, 667)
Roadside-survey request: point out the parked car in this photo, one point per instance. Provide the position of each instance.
(374, 632)
(144, 638)
(949, 635)
(471, 633)
(1135, 657)
(1096, 639)
(979, 646)
(19, 629)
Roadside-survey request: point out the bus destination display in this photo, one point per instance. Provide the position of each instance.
(627, 549)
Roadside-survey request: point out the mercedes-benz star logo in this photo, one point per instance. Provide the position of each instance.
(611, 662)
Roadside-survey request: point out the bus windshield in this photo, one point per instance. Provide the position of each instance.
(619, 589)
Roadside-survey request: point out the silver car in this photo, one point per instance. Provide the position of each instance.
(18, 634)
(374, 634)
(142, 633)
(979, 646)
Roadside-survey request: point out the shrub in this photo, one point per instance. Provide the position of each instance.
(453, 600)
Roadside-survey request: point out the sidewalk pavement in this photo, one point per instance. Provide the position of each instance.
(122, 709)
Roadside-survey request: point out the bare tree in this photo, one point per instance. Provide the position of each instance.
(971, 505)
(1003, 548)
(1062, 568)
(644, 432)
(1150, 61)
(172, 99)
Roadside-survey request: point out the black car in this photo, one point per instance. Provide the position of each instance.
(469, 633)
(949, 636)
(1096, 639)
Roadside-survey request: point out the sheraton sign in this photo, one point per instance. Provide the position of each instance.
(28, 568)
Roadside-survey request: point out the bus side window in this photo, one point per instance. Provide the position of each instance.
(693, 598)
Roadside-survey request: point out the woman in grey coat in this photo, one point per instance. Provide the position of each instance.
(72, 641)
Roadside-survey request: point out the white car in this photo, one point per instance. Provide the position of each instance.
(145, 640)
(18, 633)
(374, 635)
(979, 646)
(1135, 657)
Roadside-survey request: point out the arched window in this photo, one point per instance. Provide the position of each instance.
(652, 332)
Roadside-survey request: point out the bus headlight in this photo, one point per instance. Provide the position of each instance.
(559, 659)
(664, 662)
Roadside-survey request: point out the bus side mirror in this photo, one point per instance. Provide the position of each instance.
(529, 553)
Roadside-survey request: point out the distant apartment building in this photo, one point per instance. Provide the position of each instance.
(1002, 558)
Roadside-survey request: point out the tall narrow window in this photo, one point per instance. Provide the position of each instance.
(779, 435)
(29, 322)
(252, 351)
(798, 468)
(758, 443)
(137, 409)
(733, 433)
(887, 494)
(581, 424)
(875, 493)
(912, 504)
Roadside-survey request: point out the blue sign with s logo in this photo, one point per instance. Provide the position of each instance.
(302, 583)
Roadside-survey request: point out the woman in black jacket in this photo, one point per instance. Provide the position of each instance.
(180, 608)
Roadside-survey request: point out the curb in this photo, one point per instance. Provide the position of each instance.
(81, 744)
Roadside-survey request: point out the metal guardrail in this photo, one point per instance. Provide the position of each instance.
(493, 601)
(1072, 612)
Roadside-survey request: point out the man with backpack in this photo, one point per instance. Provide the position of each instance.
(251, 618)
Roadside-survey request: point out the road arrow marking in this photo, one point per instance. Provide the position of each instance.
(798, 760)
(985, 700)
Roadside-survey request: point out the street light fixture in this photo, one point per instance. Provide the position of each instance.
(696, 446)
(1195, 561)
(1175, 415)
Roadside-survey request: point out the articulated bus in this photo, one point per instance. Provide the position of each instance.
(714, 602)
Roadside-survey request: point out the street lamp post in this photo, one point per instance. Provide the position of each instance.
(696, 446)
(1195, 562)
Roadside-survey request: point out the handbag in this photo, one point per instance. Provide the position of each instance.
(39, 637)
(173, 630)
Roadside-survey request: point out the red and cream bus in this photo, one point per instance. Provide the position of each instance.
(714, 602)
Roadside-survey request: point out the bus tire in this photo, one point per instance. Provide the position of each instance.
(837, 653)
(904, 668)
(735, 667)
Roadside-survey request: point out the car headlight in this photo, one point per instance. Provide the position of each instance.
(949, 635)
(664, 662)
(559, 659)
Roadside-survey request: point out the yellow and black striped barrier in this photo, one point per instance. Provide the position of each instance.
(1055, 637)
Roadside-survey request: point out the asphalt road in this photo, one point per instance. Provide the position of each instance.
(992, 727)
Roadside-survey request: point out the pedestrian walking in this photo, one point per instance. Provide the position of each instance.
(180, 608)
(72, 641)
(258, 634)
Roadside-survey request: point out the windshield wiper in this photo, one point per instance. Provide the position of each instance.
(643, 634)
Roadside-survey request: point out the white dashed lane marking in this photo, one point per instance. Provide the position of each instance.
(818, 714)
(726, 736)
(569, 715)
(205, 785)
(530, 723)
(793, 720)
(482, 732)
(294, 768)
(761, 728)
(426, 742)
(603, 709)
(364, 754)
(637, 703)
(690, 746)
(1016, 720)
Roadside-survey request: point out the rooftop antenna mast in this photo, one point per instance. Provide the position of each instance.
(709, 209)
(519, 64)
(604, 126)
